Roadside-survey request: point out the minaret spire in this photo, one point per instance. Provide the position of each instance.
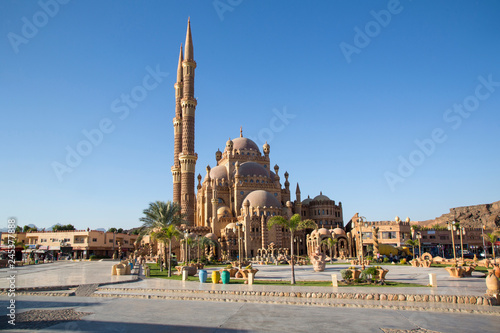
(188, 53)
(241, 131)
(179, 67)
(188, 156)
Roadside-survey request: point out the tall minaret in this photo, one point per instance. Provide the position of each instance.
(188, 157)
(176, 168)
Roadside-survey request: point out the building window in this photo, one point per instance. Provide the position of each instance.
(94, 240)
(388, 235)
(242, 192)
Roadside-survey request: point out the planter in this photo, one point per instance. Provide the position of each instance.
(496, 270)
(202, 275)
(456, 272)
(492, 282)
(319, 265)
(382, 273)
(355, 273)
(215, 277)
(468, 270)
(245, 272)
(425, 263)
(121, 269)
(225, 276)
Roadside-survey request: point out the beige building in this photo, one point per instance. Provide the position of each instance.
(236, 197)
(77, 243)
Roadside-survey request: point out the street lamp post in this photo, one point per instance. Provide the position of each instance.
(462, 232)
(185, 241)
(419, 237)
(451, 227)
(239, 226)
(482, 236)
(361, 221)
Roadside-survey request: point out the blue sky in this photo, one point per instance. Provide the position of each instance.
(360, 81)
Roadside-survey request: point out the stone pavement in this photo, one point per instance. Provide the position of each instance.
(119, 304)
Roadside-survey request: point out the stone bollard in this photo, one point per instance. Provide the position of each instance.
(184, 274)
(433, 280)
(335, 283)
(250, 278)
(147, 271)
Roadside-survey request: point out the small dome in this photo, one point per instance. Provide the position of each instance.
(272, 175)
(323, 231)
(339, 231)
(262, 198)
(245, 144)
(231, 225)
(251, 169)
(314, 233)
(306, 201)
(211, 236)
(397, 219)
(321, 197)
(224, 211)
(218, 172)
(408, 219)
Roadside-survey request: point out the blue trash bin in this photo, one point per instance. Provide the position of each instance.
(202, 274)
(131, 265)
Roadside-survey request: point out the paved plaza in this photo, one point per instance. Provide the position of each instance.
(119, 305)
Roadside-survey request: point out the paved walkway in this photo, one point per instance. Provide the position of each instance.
(232, 307)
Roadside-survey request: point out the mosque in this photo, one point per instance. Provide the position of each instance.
(237, 196)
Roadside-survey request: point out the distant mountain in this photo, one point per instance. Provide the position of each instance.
(100, 229)
(470, 216)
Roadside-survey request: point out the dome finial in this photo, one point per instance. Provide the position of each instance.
(241, 131)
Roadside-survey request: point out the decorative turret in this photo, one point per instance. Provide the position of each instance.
(287, 184)
(218, 155)
(229, 146)
(276, 169)
(199, 182)
(266, 148)
(297, 193)
(237, 167)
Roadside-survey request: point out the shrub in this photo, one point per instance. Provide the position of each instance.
(386, 260)
(346, 274)
(229, 266)
(369, 258)
(93, 257)
(403, 261)
(369, 273)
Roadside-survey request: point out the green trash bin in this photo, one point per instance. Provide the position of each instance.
(225, 277)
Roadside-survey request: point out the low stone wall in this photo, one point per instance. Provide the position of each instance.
(452, 299)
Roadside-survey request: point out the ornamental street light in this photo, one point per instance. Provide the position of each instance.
(361, 221)
(419, 237)
(240, 228)
(462, 232)
(452, 227)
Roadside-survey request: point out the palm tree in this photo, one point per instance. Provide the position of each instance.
(160, 215)
(166, 235)
(492, 238)
(412, 243)
(330, 243)
(294, 224)
(203, 242)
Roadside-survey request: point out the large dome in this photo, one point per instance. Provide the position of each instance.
(262, 198)
(218, 172)
(321, 197)
(253, 168)
(306, 201)
(245, 144)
